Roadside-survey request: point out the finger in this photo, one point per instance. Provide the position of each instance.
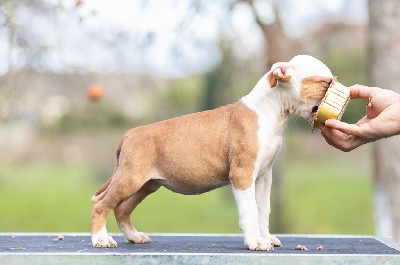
(332, 141)
(335, 135)
(329, 140)
(338, 139)
(359, 91)
(350, 129)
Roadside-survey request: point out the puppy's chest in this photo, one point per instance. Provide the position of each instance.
(269, 142)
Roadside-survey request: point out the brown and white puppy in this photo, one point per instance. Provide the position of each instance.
(234, 144)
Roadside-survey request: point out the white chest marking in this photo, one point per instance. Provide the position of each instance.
(269, 142)
(266, 103)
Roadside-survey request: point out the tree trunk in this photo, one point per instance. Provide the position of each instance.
(384, 40)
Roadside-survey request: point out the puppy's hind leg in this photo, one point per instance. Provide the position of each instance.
(100, 210)
(124, 209)
(120, 188)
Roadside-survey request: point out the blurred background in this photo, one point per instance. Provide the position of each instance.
(76, 74)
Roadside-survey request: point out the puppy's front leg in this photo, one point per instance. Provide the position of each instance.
(263, 195)
(248, 219)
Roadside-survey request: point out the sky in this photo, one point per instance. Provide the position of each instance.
(163, 37)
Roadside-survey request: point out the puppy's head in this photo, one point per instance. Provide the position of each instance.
(304, 80)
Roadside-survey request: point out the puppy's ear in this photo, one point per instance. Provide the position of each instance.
(278, 73)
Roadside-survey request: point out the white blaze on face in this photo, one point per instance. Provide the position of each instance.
(307, 66)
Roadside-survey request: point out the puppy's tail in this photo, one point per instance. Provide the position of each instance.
(104, 187)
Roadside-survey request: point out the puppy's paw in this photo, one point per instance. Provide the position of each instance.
(138, 238)
(275, 241)
(103, 242)
(259, 244)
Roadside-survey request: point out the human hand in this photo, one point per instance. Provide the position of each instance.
(382, 120)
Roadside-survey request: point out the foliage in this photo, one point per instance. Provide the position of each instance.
(180, 96)
(231, 79)
(91, 118)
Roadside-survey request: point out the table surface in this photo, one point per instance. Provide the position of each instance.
(191, 244)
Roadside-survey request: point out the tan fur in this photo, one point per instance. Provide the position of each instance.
(103, 187)
(244, 147)
(124, 209)
(190, 154)
(271, 80)
(314, 88)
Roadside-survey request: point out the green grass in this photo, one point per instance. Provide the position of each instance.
(39, 198)
(325, 198)
(44, 198)
(164, 211)
(321, 194)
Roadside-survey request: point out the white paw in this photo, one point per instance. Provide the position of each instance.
(103, 242)
(275, 241)
(259, 244)
(138, 238)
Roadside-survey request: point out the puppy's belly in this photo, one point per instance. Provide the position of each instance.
(191, 187)
(189, 173)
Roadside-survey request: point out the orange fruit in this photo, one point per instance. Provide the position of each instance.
(95, 92)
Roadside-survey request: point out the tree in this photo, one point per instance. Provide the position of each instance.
(25, 47)
(384, 65)
(278, 47)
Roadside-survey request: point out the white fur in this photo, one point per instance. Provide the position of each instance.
(267, 103)
(273, 106)
(102, 239)
(248, 219)
(263, 190)
(132, 235)
(306, 66)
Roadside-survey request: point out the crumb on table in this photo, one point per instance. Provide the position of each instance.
(300, 247)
